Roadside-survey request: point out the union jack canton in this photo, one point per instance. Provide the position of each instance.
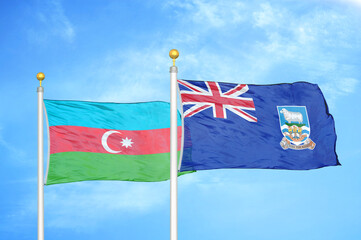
(212, 96)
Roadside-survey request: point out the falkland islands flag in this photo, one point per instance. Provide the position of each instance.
(108, 141)
(281, 126)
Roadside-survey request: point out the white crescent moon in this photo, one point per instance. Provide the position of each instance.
(105, 139)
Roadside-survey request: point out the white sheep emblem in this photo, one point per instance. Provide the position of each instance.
(292, 116)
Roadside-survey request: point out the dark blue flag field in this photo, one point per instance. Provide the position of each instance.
(280, 126)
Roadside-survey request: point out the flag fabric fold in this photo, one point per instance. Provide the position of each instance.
(108, 141)
(280, 126)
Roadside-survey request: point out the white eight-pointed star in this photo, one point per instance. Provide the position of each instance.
(126, 142)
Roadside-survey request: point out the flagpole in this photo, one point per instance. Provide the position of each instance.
(173, 148)
(40, 76)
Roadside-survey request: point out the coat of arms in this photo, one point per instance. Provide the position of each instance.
(295, 128)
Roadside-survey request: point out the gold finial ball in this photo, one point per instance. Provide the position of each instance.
(40, 76)
(173, 53)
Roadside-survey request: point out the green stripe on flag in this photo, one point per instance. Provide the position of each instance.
(68, 167)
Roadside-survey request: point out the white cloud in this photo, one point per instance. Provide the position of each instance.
(267, 16)
(349, 85)
(135, 76)
(302, 40)
(83, 205)
(13, 152)
(356, 3)
(210, 13)
(213, 186)
(338, 87)
(305, 40)
(124, 75)
(53, 22)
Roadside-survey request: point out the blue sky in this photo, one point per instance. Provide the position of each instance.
(118, 51)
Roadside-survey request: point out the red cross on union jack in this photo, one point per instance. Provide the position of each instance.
(214, 98)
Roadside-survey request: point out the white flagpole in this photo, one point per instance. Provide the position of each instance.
(40, 76)
(173, 148)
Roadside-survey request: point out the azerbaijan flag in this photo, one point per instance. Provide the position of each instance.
(108, 141)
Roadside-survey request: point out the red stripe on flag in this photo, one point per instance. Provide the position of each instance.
(236, 89)
(189, 86)
(197, 110)
(85, 139)
(246, 114)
